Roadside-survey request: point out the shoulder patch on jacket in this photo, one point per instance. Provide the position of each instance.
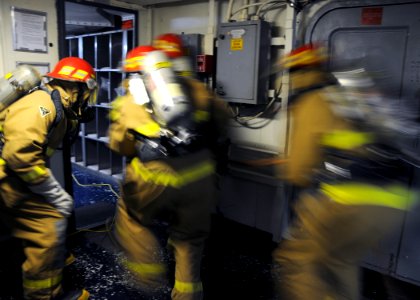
(44, 111)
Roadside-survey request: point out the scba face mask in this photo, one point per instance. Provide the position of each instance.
(82, 110)
(86, 113)
(77, 104)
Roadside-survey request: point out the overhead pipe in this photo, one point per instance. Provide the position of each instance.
(229, 10)
(244, 15)
(211, 28)
(246, 6)
(270, 2)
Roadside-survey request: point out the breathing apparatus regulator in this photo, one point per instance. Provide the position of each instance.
(14, 85)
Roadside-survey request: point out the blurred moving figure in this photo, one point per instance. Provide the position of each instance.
(353, 182)
(172, 45)
(167, 126)
(33, 204)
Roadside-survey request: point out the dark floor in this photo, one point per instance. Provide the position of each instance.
(236, 265)
(236, 262)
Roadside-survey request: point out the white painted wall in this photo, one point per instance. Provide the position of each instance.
(190, 18)
(9, 57)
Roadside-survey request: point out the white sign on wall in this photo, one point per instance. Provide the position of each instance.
(29, 30)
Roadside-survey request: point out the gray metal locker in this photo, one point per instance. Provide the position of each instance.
(105, 51)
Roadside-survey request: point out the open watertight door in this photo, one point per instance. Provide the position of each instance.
(382, 37)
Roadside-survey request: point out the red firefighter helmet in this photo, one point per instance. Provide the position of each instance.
(169, 43)
(134, 61)
(304, 56)
(74, 69)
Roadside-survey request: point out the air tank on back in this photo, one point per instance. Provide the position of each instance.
(18, 83)
(169, 100)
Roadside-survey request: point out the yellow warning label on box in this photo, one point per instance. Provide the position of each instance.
(236, 44)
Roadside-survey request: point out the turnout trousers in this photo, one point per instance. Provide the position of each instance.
(42, 230)
(328, 242)
(186, 209)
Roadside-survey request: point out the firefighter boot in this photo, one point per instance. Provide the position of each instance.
(77, 294)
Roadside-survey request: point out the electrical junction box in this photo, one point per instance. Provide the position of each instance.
(243, 62)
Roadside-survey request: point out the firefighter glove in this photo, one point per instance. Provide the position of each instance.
(54, 194)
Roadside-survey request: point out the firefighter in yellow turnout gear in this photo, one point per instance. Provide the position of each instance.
(174, 181)
(352, 196)
(33, 205)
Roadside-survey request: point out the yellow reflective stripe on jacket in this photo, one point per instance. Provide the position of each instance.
(33, 175)
(394, 196)
(188, 287)
(185, 73)
(345, 139)
(49, 152)
(145, 269)
(149, 129)
(182, 178)
(2, 162)
(201, 116)
(42, 283)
